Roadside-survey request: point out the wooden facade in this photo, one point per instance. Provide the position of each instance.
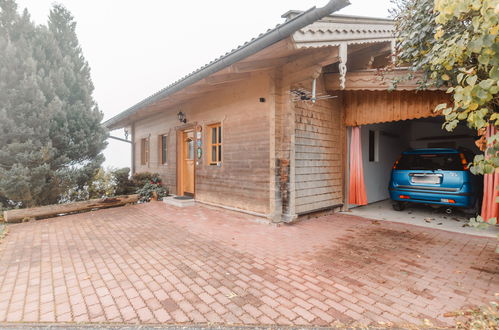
(242, 179)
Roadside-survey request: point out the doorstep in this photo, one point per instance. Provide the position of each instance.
(179, 201)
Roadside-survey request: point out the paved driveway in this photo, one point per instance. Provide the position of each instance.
(160, 264)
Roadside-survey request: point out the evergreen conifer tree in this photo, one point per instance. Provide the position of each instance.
(50, 134)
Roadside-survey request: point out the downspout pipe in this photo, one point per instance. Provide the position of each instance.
(279, 33)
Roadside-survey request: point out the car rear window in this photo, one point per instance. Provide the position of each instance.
(430, 162)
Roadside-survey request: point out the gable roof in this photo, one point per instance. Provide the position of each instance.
(264, 40)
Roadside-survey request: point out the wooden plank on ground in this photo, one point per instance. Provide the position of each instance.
(41, 212)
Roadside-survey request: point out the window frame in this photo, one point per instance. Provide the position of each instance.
(218, 144)
(163, 148)
(373, 146)
(144, 151)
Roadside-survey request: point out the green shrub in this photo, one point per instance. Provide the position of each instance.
(122, 183)
(6, 204)
(117, 182)
(102, 185)
(99, 186)
(150, 188)
(140, 179)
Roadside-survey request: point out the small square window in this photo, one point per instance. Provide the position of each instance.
(374, 146)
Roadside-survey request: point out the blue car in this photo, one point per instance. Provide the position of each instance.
(438, 177)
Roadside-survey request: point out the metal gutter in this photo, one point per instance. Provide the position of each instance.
(263, 41)
(119, 139)
(349, 18)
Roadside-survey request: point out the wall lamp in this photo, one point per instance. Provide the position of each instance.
(181, 117)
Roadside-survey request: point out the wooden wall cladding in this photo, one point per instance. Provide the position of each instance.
(372, 107)
(242, 181)
(319, 150)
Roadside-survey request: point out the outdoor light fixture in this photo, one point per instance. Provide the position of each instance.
(126, 133)
(181, 117)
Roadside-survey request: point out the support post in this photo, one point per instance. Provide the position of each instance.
(132, 132)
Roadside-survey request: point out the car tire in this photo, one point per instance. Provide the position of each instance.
(475, 209)
(398, 206)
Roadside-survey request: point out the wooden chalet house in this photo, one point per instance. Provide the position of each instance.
(265, 128)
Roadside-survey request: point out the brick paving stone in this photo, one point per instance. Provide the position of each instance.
(202, 307)
(201, 265)
(128, 313)
(107, 301)
(248, 319)
(162, 316)
(206, 298)
(300, 321)
(95, 311)
(338, 306)
(231, 318)
(265, 320)
(281, 320)
(131, 292)
(137, 303)
(30, 317)
(84, 318)
(353, 314)
(303, 313)
(112, 312)
(303, 304)
(324, 315)
(222, 298)
(196, 317)
(269, 311)
(66, 317)
(252, 310)
(179, 316)
(145, 315)
(47, 317)
(153, 304)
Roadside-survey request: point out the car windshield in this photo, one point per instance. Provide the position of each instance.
(430, 162)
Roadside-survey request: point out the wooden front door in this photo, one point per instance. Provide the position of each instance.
(187, 162)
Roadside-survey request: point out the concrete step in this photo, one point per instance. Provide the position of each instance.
(179, 201)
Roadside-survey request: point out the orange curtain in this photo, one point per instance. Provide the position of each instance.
(490, 207)
(357, 194)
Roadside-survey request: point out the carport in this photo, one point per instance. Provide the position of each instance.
(381, 125)
(382, 144)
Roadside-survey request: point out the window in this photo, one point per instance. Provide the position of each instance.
(374, 146)
(144, 151)
(190, 149)
(163, 149)
(432, 162)
(215, 144)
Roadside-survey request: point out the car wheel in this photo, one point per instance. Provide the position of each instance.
(398, 206)
(475, 209)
